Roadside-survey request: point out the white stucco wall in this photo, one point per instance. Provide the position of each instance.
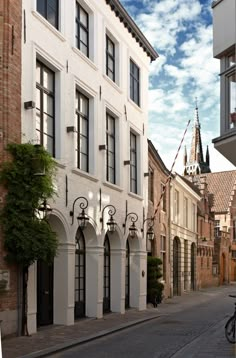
(56, 49)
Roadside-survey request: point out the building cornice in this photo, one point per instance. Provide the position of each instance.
(132, 28)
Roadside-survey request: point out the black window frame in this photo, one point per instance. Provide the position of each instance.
(43, 7)
(133, 164)
(80, 26)
(110, 152)
(45, 91)
(110, 56)
(81, 116)
(134, 82)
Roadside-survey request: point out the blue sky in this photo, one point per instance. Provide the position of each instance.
(181, 33)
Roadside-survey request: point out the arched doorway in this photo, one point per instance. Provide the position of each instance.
(176, 267)
(193, 255)
(79, 274)
(107, 276)
(127, 275)
(44, 293)
(223, 269)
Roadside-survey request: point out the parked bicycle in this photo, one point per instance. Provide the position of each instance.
(230, 327)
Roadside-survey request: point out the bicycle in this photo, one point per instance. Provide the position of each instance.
(230, 326)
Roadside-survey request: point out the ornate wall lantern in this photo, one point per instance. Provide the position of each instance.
(44, 210)
(150, 233)
(132, 229)
(82, 217)
(111, 223)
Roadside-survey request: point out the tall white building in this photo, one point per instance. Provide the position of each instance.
(85, 67)
(224, 48)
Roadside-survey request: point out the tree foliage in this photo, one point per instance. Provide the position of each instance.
(154, 287)
(26, 237)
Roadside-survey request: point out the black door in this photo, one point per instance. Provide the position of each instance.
(44, 294)
(80, 275)
(107, 277)
(127, 278)
(175, 267)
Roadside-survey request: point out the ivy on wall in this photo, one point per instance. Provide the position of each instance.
(26, 237)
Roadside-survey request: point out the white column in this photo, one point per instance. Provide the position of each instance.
(138, 279)
(118, 280)
(64, 273)
(94, 281)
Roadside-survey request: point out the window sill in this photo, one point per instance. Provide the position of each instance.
(85, 58)
(49, 26)
(112, 186)
(84, 174)
(135, 105)
(135, 196)
(60, 165)
(113, 84)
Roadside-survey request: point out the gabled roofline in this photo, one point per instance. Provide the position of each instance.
(129, 23)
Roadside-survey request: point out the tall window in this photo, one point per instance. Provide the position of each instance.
(134, 83)
(45, 107)
(232, 99)
(151, 185)
(82, 30)
(163, 256)
(163, 192)
(49, 10)
(111, 149)
(82, 114)
(110, 58)
(217, 227)
(176, 206)
(234, 230)
(185, 212)
(133, 163)
(193, 217)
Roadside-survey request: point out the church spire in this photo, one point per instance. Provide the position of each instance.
(196, 163)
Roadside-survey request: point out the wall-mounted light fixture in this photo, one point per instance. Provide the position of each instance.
(111, 223)
(150, 233)
(132, 229)
(82, 217)
(29, 105)
(44, 210)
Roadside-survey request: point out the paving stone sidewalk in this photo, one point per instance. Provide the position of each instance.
(57, 337)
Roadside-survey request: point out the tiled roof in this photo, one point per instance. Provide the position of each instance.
(220, 186)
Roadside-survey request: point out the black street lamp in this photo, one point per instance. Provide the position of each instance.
(82, 217)
(111, 223)
(150, 233)
(132, 229)
(44, 210)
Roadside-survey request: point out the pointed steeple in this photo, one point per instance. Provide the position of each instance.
(196, 163)
(207, 157)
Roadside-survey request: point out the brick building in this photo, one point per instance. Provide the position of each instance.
(160, 247)
(10, 131)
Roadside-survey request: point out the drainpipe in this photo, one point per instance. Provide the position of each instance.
(19, 301)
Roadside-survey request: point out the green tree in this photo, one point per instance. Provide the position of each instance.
(27, 237)
(154, 287)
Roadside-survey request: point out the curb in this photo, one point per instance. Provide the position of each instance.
(63, 346)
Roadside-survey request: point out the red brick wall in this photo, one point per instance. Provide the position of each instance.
(10, 111)
(161, 223)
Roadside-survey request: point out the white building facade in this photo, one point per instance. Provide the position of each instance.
(84, 97)
(224, 49)
(184, 199)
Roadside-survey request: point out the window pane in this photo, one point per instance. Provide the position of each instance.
(84, 126)
(83, 105)
(83, 49)
(37, 98)
(83, 144)
(52, 16)
(41, 7)
(48, 125)
(83, 162)
(48, 79)
(84, 36)
(83, 17)
(38, 119)
(48, 104)
(48, 144)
